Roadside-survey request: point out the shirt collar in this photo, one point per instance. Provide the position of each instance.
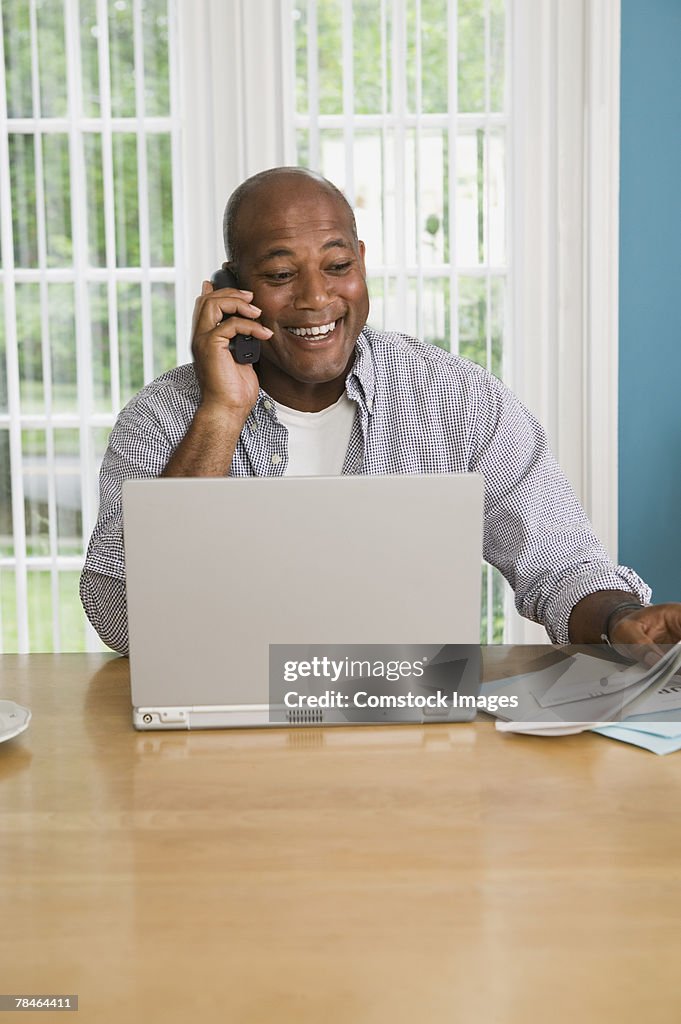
(361, 381)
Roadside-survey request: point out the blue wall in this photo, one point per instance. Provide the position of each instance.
(650, 295)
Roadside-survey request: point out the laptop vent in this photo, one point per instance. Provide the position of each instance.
(305, 716)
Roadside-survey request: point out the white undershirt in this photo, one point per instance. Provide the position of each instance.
(318, 441)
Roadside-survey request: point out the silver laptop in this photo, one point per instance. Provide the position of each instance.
(230, 582)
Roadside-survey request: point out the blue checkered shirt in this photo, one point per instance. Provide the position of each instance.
(418, 410)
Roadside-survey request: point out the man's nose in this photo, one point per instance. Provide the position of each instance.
(313, 290)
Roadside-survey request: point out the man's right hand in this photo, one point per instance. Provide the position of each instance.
(227, 387)
(229, 390)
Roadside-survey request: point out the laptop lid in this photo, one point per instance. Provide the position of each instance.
(220, 569)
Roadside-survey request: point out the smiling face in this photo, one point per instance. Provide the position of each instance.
(298, 253)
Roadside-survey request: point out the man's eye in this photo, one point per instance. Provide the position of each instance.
(338, 268)
(280, 275)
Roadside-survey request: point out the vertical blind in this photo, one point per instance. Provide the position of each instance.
(403, 105)
(89, 228)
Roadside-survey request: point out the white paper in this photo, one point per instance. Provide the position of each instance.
(588, 678)
(667, 698)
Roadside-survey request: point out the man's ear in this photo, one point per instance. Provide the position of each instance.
(361, 248)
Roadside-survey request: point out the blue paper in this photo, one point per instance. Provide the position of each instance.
(658, 737)
(668, 730)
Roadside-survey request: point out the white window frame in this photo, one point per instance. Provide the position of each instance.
(562, 341)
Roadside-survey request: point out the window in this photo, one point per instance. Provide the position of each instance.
(403, 105)
(297, 78)
(88, 215)
(477, 140)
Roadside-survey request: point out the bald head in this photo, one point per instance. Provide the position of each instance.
(266, 188)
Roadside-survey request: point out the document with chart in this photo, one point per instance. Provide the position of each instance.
(583, 690)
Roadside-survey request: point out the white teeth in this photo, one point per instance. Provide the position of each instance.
(312, 332)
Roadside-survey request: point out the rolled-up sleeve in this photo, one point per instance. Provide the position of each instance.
(104, 601)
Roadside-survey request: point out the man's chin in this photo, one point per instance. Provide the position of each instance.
(312, 370)
(319, 380)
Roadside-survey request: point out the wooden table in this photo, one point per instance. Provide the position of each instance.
(369, 875)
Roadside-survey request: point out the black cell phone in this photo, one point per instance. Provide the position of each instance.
(244, 348)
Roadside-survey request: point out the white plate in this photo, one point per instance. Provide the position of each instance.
(13, 719)
(548, 728)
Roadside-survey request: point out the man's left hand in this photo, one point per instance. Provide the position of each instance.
(654, 624)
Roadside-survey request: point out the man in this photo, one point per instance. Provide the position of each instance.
(330, 395)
